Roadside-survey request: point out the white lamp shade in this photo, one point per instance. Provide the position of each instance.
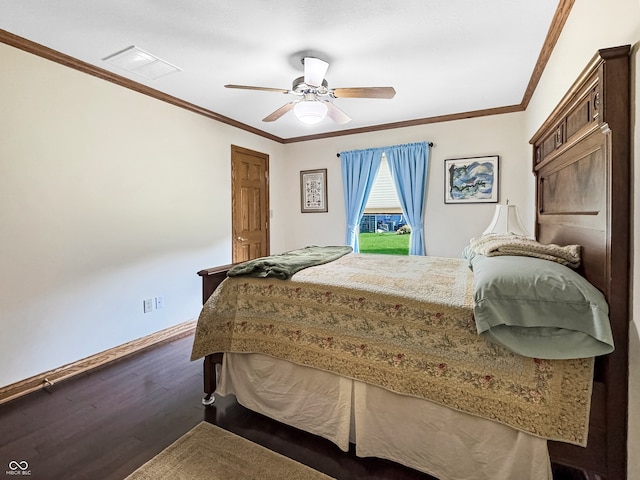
(506, 220)
(314, 71)
(310, 112)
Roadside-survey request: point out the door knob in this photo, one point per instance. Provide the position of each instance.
(242, 239)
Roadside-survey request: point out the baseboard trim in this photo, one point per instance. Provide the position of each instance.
(51, 377)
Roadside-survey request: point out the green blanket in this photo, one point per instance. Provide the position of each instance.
(283, 266)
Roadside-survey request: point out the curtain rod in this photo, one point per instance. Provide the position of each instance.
(430, 144)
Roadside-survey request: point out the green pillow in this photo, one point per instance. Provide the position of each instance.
(539, 308)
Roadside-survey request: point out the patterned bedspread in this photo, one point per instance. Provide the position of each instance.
(405, 324)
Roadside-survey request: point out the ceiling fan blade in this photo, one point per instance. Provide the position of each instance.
(364, 92)
(265, 89)
(335, 114)
(279, 112)
(314, 71)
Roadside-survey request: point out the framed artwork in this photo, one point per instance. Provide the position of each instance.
(471, 180)
(313, 191)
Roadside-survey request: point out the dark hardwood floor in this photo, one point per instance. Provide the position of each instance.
(103, 424)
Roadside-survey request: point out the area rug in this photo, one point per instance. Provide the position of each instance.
(208, 452)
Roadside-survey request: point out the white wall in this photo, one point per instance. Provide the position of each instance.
(448, 228)
(592, 25)
(107, 197)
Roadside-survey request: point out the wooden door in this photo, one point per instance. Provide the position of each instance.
(249, 204)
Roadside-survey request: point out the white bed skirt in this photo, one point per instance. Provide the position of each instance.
(437, 440)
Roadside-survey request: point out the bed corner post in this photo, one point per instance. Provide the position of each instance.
(210, 378)
(211, 278)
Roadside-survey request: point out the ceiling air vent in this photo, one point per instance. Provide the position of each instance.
(141, 63)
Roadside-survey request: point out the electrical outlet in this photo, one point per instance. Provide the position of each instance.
(148, 305)
(159, 303)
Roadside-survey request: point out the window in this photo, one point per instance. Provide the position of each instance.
(359, 171)
(383, 224)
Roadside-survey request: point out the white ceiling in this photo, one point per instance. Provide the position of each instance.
(442, 56)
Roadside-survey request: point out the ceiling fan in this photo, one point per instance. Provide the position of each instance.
(314, 103)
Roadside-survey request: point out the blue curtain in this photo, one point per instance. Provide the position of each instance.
(359, 170)
(408, 165)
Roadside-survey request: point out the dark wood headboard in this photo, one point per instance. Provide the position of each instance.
(581, 159)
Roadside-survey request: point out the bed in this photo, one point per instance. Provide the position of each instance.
(581, 163)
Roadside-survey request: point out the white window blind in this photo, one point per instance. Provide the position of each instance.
(383, 198)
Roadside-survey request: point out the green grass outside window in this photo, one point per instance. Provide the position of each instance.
(389, 243)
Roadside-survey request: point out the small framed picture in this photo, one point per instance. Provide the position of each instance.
(471, 180)
(313, 191)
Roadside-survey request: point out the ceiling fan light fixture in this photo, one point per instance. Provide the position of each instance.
(310, 111)
(314, 103)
